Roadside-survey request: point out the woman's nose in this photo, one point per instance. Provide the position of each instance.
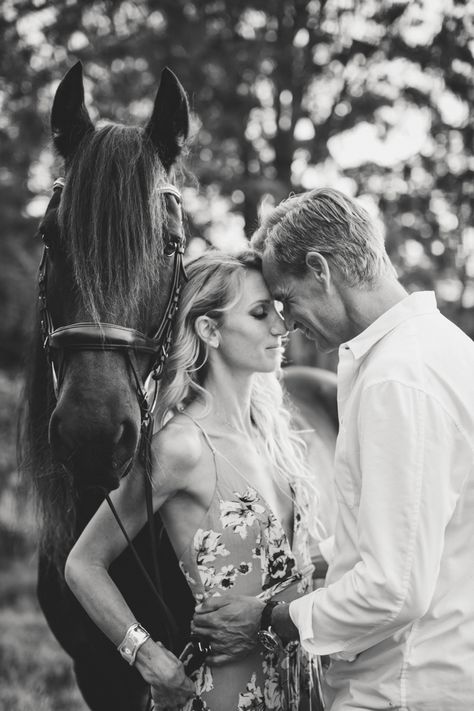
(279, 327)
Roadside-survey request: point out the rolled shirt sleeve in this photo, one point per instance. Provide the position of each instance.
(406, 486)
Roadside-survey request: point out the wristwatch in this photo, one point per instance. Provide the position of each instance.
(135, 636)
(266, 636)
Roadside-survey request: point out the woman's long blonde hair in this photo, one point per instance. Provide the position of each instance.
(215, 284)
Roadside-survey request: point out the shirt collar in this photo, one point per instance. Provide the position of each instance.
(420, 302)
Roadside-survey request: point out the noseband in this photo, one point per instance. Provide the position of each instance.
(91, 336)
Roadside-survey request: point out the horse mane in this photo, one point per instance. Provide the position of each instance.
(54, 494)
(111, 222)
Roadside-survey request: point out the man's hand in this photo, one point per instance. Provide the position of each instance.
(170, 687)
(230, 624)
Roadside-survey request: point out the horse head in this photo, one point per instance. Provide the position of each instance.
(112, 236)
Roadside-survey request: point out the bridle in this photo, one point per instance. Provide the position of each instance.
(88, 335)
(92, 336)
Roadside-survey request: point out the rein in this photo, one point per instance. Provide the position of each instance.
(105, 336)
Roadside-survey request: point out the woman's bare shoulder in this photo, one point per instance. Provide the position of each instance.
(178, 445)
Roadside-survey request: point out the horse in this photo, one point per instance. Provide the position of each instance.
(113, 244)
(108, 287)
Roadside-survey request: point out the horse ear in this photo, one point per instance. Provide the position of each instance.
(169, 124)
(69, 117)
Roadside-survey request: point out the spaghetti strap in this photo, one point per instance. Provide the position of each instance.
(203, 432)
(216, 452)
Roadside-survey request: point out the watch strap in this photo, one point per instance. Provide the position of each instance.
(266, 618)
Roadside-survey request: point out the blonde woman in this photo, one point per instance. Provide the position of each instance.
(231, 484)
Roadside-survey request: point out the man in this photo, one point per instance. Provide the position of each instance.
(397, 613)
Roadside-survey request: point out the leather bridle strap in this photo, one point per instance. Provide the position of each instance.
(100, 336)
(106, 336)
(171, 629)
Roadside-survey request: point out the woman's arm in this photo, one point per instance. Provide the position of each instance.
(101, 543)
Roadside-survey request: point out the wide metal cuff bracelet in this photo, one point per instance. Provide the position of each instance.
(135, 636)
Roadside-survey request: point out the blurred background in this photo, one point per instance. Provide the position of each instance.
(374, 97)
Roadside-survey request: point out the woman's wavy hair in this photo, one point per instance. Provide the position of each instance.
(214, 286)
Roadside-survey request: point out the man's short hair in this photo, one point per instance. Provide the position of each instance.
(326, 221)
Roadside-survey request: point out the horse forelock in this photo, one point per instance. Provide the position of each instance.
(111, 221)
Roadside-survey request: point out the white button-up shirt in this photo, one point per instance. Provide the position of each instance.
(397, 613)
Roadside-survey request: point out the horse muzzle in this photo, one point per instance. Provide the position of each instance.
(97, 450)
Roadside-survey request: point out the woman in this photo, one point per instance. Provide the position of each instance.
(231, 485)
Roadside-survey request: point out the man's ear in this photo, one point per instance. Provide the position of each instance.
(206, 329)
(319, 269)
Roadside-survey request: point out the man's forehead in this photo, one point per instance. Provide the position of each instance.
(279, 283)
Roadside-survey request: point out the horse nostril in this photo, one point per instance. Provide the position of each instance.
(92, 448)
(61, 441)
(125, 437)
(118, 434)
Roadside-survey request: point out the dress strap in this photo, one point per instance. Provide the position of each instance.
(214, 452)
(203, 432)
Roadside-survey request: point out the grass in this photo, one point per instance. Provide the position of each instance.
(35, 673)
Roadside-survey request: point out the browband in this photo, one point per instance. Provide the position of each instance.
(101, 336)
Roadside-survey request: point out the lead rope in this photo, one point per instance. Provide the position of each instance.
(170, 626)
(146, 434)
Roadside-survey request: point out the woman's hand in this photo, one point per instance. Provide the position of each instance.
(170, 687)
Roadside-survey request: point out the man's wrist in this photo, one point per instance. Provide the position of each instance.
(283, 625)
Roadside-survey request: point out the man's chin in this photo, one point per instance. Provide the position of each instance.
(320, 343)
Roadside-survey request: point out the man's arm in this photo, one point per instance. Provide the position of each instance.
(408, 492)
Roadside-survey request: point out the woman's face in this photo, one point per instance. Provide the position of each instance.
(251, 331)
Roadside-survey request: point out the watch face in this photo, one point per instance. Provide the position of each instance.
(270, 640)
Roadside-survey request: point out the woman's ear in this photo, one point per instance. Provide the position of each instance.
(206, 329)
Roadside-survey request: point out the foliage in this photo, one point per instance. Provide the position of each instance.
(374, 97)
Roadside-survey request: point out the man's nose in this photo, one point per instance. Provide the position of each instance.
(287, 320)
(290, 325)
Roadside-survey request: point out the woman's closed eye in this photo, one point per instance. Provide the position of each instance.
(260, 313)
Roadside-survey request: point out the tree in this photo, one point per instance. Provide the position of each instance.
(373, 97)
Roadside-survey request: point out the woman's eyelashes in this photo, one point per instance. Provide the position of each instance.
(263, 311)
(260, 314)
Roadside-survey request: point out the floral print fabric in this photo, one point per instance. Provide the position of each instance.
(241, 547)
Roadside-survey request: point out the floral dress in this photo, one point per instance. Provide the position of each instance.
(242, 547)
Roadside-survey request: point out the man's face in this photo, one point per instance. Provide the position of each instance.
(310, 304)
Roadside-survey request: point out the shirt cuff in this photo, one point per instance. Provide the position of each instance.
(301, 613)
